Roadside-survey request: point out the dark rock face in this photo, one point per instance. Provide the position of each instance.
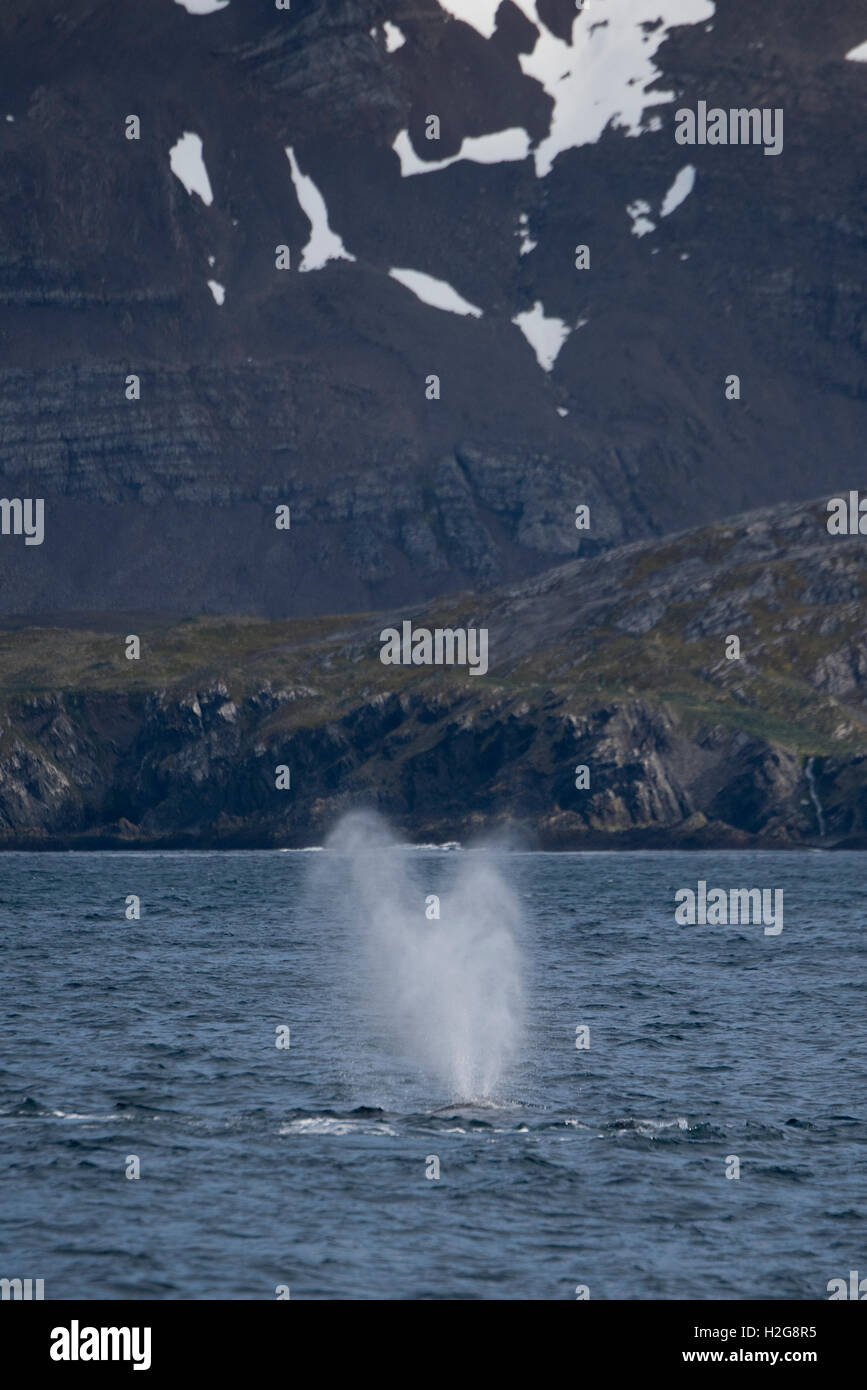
(616, 663)
(204, 777)
(309, 388)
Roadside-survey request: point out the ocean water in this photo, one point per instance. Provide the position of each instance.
(413, 1039)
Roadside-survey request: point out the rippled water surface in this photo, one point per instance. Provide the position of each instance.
(306, 1166)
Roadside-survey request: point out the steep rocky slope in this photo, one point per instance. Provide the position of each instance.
(307, 386)
(615, 662)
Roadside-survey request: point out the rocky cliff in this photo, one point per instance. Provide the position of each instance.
(616, 663)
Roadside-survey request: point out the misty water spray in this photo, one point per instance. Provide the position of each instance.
(448, 991)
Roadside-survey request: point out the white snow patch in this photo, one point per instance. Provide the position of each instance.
(394, 39)
(858, 54)
(202, 6)
(188, 165)
(684, 255)
(324, 245)
(481, 14)
(212, 260)
(680, 189)
(436, 292)
(641, 223)
(498, 148)
(546, 336)
(562, 411)
(217, 290)
(10, 118)
(527, 242)
(603, 74)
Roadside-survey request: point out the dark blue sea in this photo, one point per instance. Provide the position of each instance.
(309, 1167)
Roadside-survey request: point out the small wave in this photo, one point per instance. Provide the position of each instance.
(447, 845)
(362, 1120)
(28, 1106)
(316, 849)
(74, 1115)
(30, 1109)
(647, 1128)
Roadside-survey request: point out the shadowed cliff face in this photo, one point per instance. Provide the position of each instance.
(308, 386)
(616, 663)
